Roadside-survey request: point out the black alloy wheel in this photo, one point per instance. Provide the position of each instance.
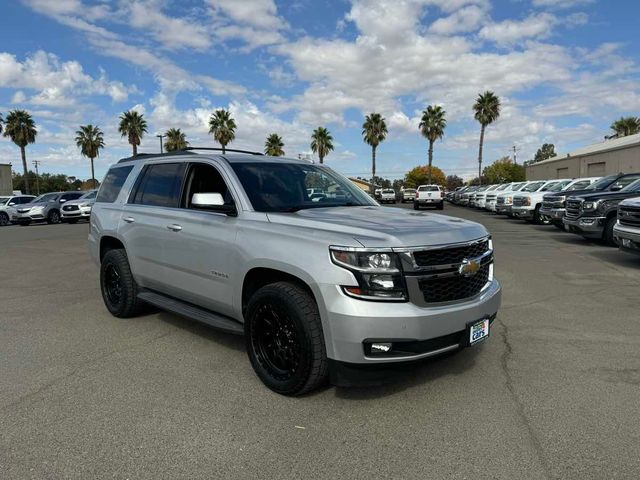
(4, 219)
(54, 217)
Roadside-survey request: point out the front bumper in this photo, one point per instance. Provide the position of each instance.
(525, 213)
(82, 213)
(502, 209)
(481, 203)
(628, 238)
(30, 216)
(590, 227)
(490, 205)
(352, 322)
(554, 214)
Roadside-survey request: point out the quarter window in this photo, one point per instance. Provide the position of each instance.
(112, 184)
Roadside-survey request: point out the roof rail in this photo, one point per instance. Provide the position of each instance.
(216, 149)
(141, 156)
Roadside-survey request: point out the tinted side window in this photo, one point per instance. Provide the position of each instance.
(71, 196)
(624, 181)
(204, 178)
(112, 184)
(160, 186)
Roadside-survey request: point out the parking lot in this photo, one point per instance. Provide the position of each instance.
(554, 392)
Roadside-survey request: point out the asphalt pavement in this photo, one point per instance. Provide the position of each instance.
(554, 392)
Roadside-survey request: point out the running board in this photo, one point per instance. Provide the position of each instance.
(191, 311)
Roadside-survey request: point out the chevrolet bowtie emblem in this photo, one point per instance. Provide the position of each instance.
(469, 268)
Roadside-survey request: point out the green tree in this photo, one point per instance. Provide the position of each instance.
(546, 151)
(176, 140)
(383, 182)
(321, 142)
(453, 182)
(90, 140)
(374, 131)
(273, 145)
(625, 126)
(223, 127)
(21, 129)
(432, 125)
(133, 126)
(421, 175)
(487, 111)
(503, 170)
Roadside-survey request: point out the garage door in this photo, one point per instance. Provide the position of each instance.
(596, 169)
(562, 172)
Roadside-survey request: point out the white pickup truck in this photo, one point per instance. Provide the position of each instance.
(429, 195)
(388, 195)
(528, 202)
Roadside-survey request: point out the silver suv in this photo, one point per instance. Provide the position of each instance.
(45, 208)
(9, 204)
(330, 289)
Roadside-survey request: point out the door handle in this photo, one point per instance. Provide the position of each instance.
(174, 227)
(129, 219)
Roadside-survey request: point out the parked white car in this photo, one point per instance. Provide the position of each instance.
(481, 195)
(388, 195)
(528, 202)
(504, 201)
(8, 205)
(490, 197)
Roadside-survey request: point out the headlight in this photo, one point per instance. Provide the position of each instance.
(378, 273)
(37, 209)
(526, 201)
(509, 199)
(85, 205)
(590, 205)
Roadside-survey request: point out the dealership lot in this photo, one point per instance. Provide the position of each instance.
(552, 394)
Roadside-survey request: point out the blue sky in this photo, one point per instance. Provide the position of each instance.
(564, 70)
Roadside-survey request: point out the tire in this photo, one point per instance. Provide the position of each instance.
(416, 206)
(540, 219)
(4, 219)
(53, 217)
(607, 234)
(119, 289)
(284, 339)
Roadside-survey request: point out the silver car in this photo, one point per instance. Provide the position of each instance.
(45, 208)
(79, 209)
(330, 289)
(9, 204)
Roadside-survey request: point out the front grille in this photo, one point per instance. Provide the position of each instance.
(574, 208)
(491, 197)
(553, 202)
(449, 289)
(70, 208)
(500, 201)
(518, 201)
(449, 256)
(629, 216)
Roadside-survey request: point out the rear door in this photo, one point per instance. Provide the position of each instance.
(147, 219)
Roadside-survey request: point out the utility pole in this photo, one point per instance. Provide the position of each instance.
(36, 163)
(160, 136)
(514, 154)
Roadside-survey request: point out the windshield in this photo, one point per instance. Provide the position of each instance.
(428, 188)
(532, 187)
(502, 187)
(89, 196)
(409, 190)
(45, 198)
(604, 182)
(388, 191)
(282, 187)
(516, 187)
(632, 187)
(556, 187)
(4, 200)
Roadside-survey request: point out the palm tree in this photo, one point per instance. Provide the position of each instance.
(487, 111)
(1, 122)
(20, 127)
(176, 140)
(374, 131)
(625, 126)
(90, 140)
(133, 126)
(222, 127)
(321, 142)
(273, 145)
(432, 125)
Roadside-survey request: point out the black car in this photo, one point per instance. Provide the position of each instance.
(554, 204)
(594, 215)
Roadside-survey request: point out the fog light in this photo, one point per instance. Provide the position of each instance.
(381, 347)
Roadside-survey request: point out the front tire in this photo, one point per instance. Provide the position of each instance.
(118, 287)
(53, 217)
(284, 339)
(607, 235)
(4, 219)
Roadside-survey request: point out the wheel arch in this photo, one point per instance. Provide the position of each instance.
(109, 242)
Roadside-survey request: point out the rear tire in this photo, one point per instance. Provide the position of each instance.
(119, 289)
(284, 339)
(4, 219)
(607, 234)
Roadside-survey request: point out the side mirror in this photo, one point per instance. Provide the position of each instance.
(213, 202)
(11, 204)
(62, 200)
(616, 188)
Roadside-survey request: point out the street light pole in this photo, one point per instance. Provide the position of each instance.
(160, 136)
(36, 163)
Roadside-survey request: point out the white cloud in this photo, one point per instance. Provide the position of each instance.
(56, 83)
(18, 97)
(560, 3)
(464, 20)
(510, 31)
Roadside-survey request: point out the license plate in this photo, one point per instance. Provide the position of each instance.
(478, 331)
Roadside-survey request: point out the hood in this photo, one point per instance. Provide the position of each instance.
(79, 202)
(631, 202)
(384, 226)
(606, 196)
